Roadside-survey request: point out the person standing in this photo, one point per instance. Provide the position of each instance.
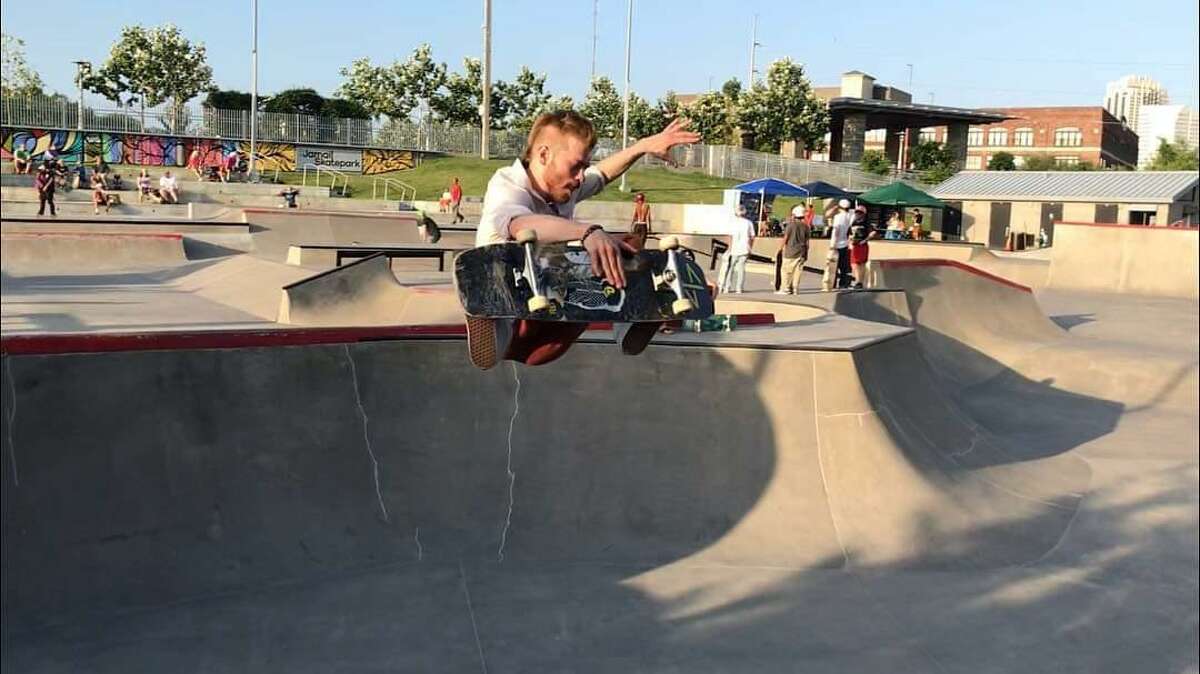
(861, 232)
(193, 164)
(43, 182)
(99, 196)
(741, 240)
(918, 225)
(794, 248)
(456, 202)
(640, 226)
(839, 241)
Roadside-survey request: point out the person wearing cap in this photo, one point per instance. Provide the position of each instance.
(741, 241)
(793, 249)
(640, 227)
(839, 241)
(861, 231)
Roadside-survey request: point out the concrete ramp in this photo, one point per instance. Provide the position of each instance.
(364, 293)
(1126, 259)
(274, 230)
(30, 252)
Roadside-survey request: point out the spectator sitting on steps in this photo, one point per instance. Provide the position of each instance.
(22, 162)
(168, 188)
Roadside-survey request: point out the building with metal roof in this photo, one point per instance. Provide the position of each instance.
(985, 205)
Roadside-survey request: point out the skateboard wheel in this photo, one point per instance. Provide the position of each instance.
(526, 236)
(668, 243)
(539, 303)
(682, 306)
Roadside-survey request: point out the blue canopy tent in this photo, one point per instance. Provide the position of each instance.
(823, 190)
(772, 186)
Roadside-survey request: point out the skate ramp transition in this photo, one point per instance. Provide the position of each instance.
(36, 252)
(299, 456)
(274, 230)
(365, 292)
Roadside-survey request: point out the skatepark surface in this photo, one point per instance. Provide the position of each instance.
(951, 473)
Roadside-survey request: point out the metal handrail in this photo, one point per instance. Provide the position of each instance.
(388, 184)
(333, 173)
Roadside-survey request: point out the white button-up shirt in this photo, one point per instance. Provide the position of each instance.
(509, 195)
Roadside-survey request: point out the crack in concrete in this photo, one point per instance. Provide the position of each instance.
(417, 539)
(366, 436)
(512, 477)
(462, 574)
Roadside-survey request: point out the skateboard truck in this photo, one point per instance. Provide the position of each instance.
(539, 302)
(682, 303)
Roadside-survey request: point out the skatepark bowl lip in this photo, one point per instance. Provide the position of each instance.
(937, 262)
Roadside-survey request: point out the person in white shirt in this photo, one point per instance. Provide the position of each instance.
(839, 241)
(741, 240)
(539, 192)
(168, 188)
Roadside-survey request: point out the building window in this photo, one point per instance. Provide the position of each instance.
(876, 136)
(1023, 137)
(974, 162)
(998, 137)
(974, 136)
(928, 135)
(1066, 161)
(1068, 137)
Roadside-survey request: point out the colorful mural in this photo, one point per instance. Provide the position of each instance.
(383, 161)
(149, 150)
(271, 156)
(69, 144)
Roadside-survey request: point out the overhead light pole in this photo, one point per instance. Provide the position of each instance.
(485, 106)
(625, 116)
(80, 68)
(253, 88)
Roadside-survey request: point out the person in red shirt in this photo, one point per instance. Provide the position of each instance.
(456, 202)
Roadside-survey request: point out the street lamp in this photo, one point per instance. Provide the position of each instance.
(485, 105)
(253, 87)
(81, 67)
(625, 120)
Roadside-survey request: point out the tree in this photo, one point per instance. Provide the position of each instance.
(668, 106)
(876, 162)
(1174, 157)
(1002, 161)
(340, 107)
(710, 117)
(604, 108)
(228, 99)
(394, 90)
(295, 101)
(783, 109)
(156, 64)
(1039, 162)
(732, 89)
(644, 119)
(523, 99)
(934, 161)
(16, 77)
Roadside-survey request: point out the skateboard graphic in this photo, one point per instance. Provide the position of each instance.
(554, 282)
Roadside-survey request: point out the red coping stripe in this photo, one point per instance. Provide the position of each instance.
(1145, 228)
(43, 345)
(932, 262)
(94, 235)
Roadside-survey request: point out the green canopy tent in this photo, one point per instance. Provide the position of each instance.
(900, 194)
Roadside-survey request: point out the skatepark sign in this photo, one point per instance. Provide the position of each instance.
(349, 161)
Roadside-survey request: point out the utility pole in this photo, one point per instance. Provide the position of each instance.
(253, 89)
(485, 107)
(595, 36)
(625, 120)
(80, 68)
(910, 72)
(754, 45)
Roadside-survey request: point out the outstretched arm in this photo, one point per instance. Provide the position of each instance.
(659, 145)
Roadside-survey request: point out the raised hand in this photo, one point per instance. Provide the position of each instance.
(676, 133)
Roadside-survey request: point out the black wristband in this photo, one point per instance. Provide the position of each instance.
(589, 231)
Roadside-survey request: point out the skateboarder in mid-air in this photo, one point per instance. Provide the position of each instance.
(539, 192)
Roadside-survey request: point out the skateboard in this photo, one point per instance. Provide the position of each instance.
(554, 282)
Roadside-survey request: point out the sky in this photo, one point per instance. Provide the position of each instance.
(969, 54)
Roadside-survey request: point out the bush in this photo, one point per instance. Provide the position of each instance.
(876, 162)
(1002, 161)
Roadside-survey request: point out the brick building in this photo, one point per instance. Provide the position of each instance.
(1068, 134)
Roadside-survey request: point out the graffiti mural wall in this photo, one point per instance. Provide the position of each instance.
(384, 161)
(150, 150)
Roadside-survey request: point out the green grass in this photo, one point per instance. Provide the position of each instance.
(433, 177)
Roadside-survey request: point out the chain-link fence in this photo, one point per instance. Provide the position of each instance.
(721, 161)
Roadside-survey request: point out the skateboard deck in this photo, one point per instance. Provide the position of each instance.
(502, 280)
